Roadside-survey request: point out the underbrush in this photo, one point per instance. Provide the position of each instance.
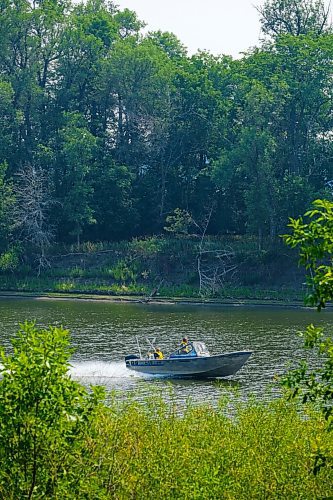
(230, 267)
(164, 267)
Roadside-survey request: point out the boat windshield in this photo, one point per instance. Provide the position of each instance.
(201, 349)
(185, 350)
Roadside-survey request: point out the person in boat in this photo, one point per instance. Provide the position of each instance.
(185, 345)
(158, 354)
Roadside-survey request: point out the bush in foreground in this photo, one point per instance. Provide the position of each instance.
(44, 416)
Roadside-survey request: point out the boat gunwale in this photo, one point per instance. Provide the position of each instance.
(192, 358)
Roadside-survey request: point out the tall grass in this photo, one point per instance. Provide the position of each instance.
(151, 452)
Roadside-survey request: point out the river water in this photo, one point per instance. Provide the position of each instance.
(103, 333)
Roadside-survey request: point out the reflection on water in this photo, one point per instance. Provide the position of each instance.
(103, 333)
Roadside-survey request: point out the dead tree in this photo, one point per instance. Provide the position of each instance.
(213, 265)
(33, 202)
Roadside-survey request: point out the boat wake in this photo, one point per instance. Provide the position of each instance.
(101, 370)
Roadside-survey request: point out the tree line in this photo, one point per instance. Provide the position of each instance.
(106, 131)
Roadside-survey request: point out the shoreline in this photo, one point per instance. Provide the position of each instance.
(234, 302)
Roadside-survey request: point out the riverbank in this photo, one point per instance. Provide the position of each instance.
(231, 268)
(163, 270)
(161, 300)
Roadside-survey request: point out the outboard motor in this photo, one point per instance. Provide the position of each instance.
(131, 356)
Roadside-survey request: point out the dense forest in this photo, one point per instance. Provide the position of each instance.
(110, 132)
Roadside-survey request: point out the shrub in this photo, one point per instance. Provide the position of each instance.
(124, 271)
(9, 261)
(44, 416)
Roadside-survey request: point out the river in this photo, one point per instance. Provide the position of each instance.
(104, 332)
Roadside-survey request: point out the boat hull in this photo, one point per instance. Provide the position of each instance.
(221, 365)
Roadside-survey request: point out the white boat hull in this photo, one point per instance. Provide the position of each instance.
(221, 365)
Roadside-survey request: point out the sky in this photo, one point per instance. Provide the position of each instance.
(219, 26)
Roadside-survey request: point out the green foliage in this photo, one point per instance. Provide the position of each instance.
(264, 451)
(189, 292)
(315, 242)
(44, 415)
(315, 385)
(130, 128)
(169, 43)
(113, 201)
(179, 222)
(9, 261)
(133, 266)
(124, 271)
(146, 248)
(8, 120)
(295, 17)
(6, 206)
(78, 146)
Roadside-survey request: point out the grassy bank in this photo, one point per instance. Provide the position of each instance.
(148, 451)
(72, 287)
(231, 268)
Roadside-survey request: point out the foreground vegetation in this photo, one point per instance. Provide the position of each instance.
(59, 441)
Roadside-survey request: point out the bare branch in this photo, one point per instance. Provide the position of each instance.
(31, 211)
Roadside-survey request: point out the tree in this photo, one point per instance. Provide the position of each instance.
(115, 211)
(33, 202)
(169, 43)
(128, 23)
(212, 264)
(251, 161)
(30, 34)
(74, 187)
(8, 122)
(86, 39)
(197, 131)
(294, 17)
(315, 241)
(6, 206)
(86, 96)
(276, 158)
(179, 222)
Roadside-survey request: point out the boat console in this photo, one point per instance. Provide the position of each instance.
(192, 349)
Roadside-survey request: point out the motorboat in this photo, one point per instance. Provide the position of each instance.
(191, 360)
